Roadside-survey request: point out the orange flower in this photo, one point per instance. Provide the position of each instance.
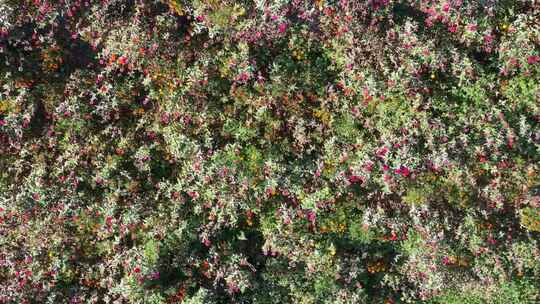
(112, 59)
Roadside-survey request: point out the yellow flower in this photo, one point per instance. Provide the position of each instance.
(177, 7)
(139, 111)
(332, 250)
(320, 4)
(378, 266)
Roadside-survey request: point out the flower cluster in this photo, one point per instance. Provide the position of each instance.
(221, 151)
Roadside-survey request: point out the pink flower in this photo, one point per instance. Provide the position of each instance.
(243, 77)
(446, 260)
(452, 28)
(446, 7)
(165, 118)
(282, 28)
(533, 59)
(270, 191)
(311, 217)
(368, 166)
(233, 288)
(510, 142)
(151, 135)
(378, 4)
(382, 152)
(193, 194)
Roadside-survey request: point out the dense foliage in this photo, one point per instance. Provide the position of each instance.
(269, 151)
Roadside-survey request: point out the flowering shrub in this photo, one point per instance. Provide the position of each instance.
(216, 151)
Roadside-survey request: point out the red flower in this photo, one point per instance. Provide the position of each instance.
(405, 171)
(122, 60)
(355, 179)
